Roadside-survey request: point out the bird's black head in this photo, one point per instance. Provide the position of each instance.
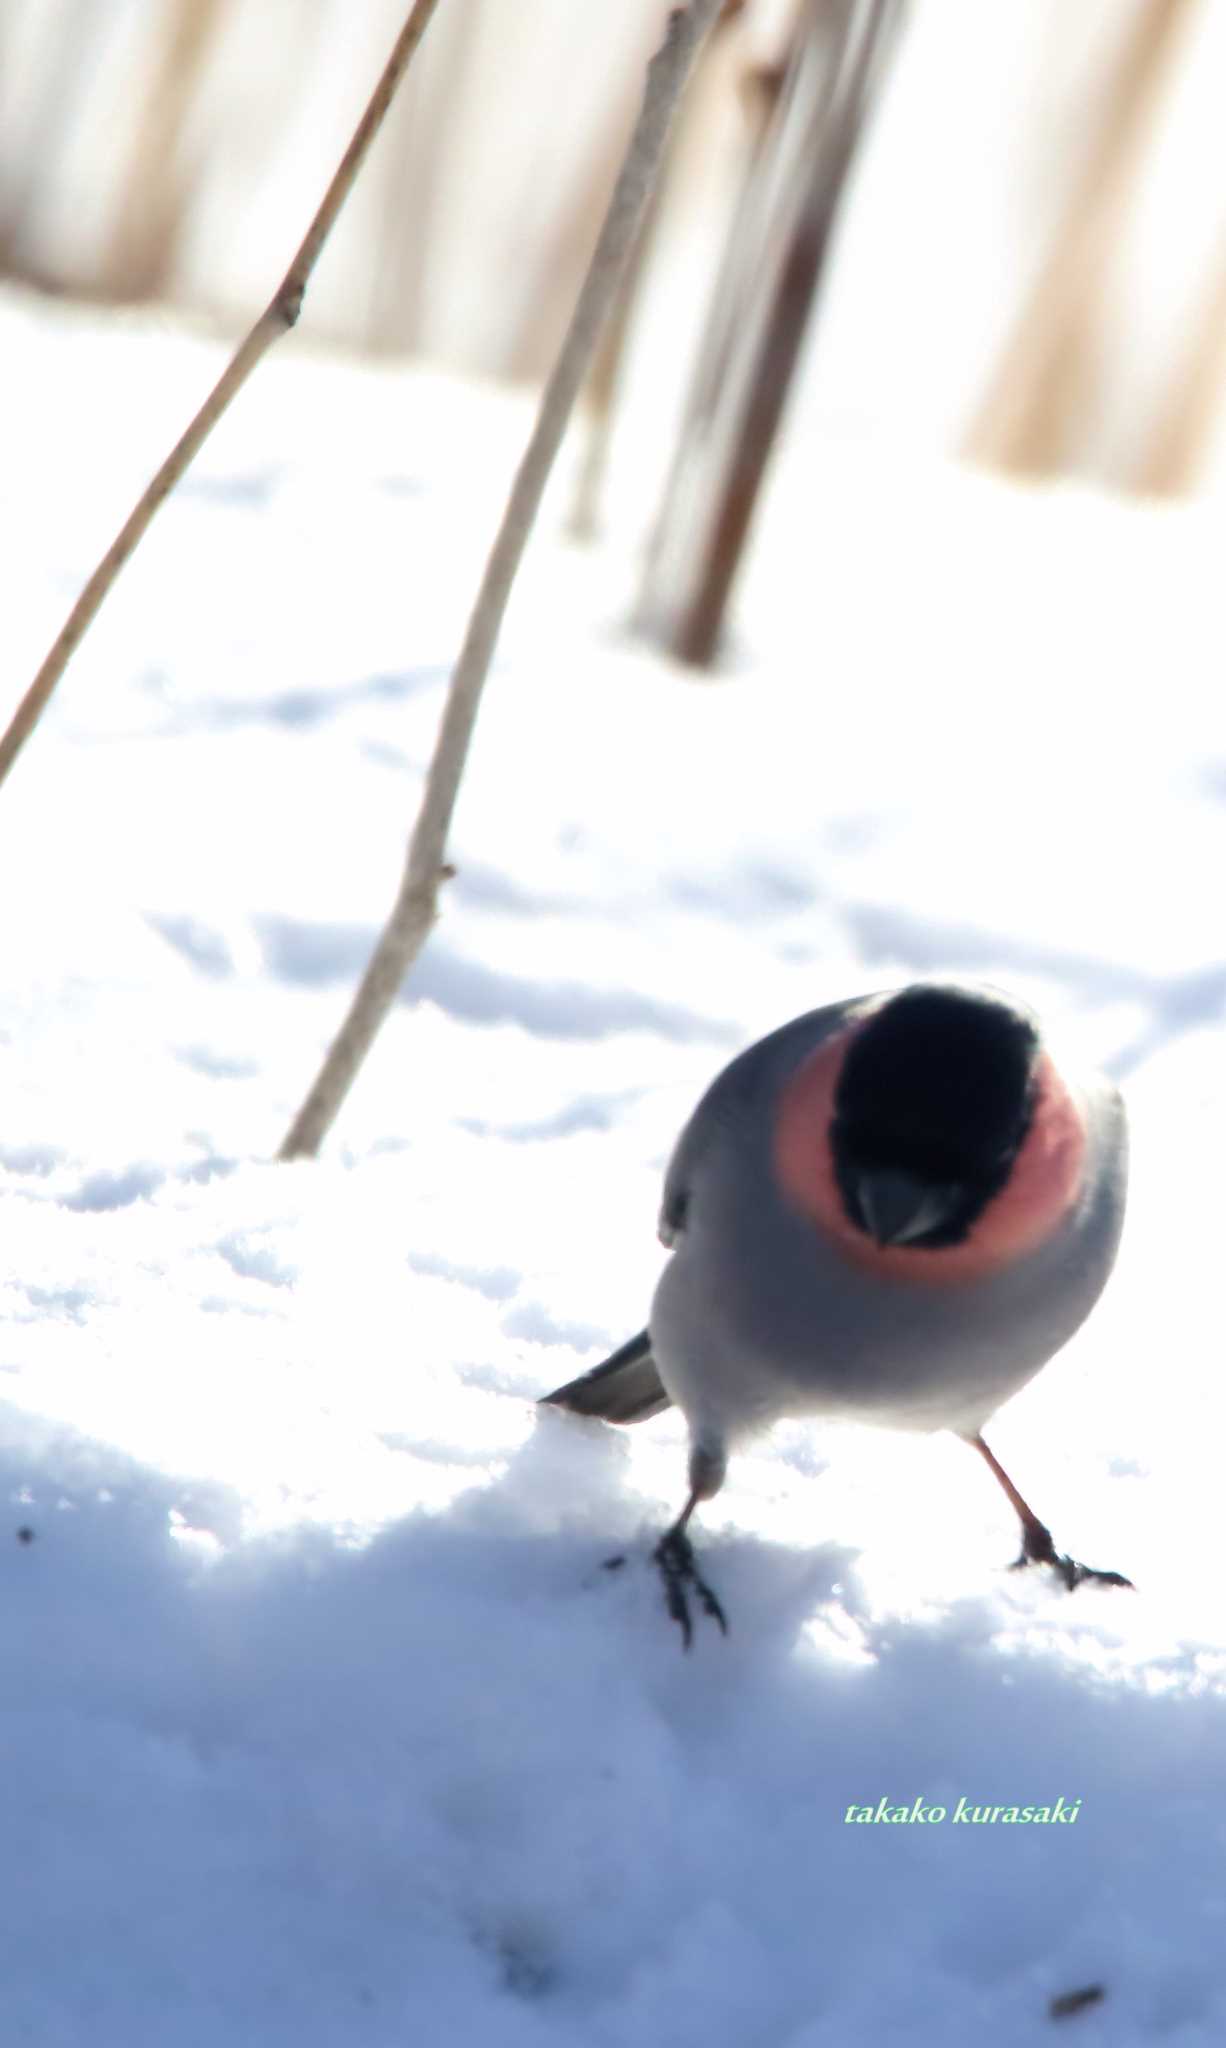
(933, 1103)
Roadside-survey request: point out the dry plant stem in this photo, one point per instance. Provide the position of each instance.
(278, 316)
(416, 905)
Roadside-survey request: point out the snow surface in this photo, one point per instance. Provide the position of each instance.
(323, 1720)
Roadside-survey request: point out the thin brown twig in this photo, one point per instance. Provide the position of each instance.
(278, 317)
(416, 905)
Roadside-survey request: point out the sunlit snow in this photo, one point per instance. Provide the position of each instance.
(324, 1720)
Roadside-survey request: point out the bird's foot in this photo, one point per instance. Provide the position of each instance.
(1038, 1548)
(674, 1554)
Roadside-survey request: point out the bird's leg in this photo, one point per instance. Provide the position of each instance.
(1037, 1546)
(674, 1553)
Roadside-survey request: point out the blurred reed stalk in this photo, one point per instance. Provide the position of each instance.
(280, 314)
(1171, 460)
(773, 267)
(157, 186)
(1030, 419)
(56, 101)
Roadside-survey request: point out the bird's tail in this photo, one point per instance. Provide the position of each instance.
(626, 1388)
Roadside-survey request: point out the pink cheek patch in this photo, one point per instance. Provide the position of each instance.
(1043, 1185)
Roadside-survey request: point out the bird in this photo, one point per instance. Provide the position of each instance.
(893, 1210)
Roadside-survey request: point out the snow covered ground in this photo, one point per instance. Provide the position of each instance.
(322, 1721)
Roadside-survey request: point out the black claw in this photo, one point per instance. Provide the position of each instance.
(674, 1554)
(710, 1603)
(676, 1602)
(1038, 1548)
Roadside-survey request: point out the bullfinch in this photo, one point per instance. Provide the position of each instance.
(892, 1210)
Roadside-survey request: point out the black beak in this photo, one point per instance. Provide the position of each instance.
(897, 1207)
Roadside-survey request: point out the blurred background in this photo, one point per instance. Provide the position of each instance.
(997, 231)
